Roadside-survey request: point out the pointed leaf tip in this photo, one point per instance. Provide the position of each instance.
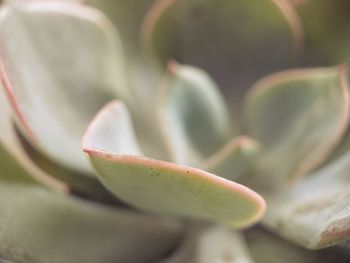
(170, 189)
(112, 130)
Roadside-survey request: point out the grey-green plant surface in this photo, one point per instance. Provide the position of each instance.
(159, 131)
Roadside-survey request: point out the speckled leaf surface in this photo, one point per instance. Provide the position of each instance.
(298, 116)
(62, 65)
(226, 38)
(192, 114)
(170, 189)
(317, 214)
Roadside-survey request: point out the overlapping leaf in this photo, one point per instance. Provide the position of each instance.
(298, 117)
(167, 188)
(62, 64)
(232, 40)
(192, 115)
(314, 213)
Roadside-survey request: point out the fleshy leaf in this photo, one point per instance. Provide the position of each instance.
(192, 114)
(220, 244)
(266, 247)
(170, 189)
(314, 213)
(298, 116)
(13, 156)
(226, 38)
(38, 226)
(60, 67)
(233, 159)
(143, 75)
(112, 131)
(205, 244)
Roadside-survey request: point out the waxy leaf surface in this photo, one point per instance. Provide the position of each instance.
(233, 159)
(192, 115)
(315, 213)
(63, 64)
(226, 38)
(38, 226)
(170, 189)
(298, 116)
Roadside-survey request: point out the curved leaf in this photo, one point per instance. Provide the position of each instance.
(192, 115)
(13, 155)
(226, 38)
(37, 226)
(205, 244)
(266, 247)
(298, 117)
(112, 130)
(61, 66)
(171, 189)
(314, 213)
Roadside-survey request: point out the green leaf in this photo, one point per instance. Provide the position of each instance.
(143, 76)
(37, 226)
(232, 160)
(61, 66)
(170, 189)
(266, 247)
(14, 161)
(208, 244)
(226, 38)
(192, 114)
(298, 116)
(314, 213)
(112, 130)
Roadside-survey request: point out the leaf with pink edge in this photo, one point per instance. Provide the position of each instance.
(226, 38)
(170, 189)
(317, 214)
(192, 114)
(75, 59)
(298, 116)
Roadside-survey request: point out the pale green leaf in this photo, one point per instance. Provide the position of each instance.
(170, 189)
(37, 226)
(192, 115)
(266, 247)
(144, 76)
(298, 116)
(63, 64)
(233, 159)
(208, 244)
(112, 130)
(314, 213)
(14, 159)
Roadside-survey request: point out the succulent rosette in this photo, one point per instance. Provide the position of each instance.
(153, 131)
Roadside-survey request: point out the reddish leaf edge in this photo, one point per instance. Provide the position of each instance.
(257, 200)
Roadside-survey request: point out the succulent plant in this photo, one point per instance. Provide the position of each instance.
(117, 144)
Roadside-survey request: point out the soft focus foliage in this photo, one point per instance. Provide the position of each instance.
(154, 131)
